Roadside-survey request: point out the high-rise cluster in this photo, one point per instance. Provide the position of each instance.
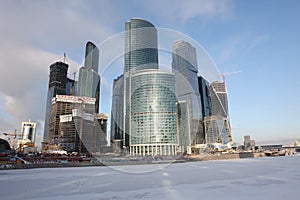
(72, 121)
(155, 112)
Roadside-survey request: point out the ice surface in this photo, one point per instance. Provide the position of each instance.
(255, 178)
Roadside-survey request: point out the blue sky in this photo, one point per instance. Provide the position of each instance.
(260, 38)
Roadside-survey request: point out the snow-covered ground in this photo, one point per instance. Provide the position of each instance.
(260, 178)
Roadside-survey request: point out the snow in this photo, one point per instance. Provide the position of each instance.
(255, 178)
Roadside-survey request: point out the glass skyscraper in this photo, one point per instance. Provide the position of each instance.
(89, 79)
(91, 56)
(217, 126)
(184, 66)
(153, 127)
(140, 53)
(116, 127)
(57, 86)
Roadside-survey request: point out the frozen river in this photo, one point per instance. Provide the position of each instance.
(260, 178)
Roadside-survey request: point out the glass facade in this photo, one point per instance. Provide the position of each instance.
(205, 96)
(88, 82)
(153, 124)
(89, 79)
(140, 53)
(57, 86)
(91, 56)
(116, 127)
(219, 99)
(216, 125)
(184, 66)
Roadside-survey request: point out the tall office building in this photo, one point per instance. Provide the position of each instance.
(217, 126)
(204, 90)
(57, 86)
(140, 53)
(91, 56)
(183, 126)
(206, 108)
(140, 45)
(28, 131)
(72, 117)
(153, 127)
(219, 99)
(184, 66)
(89, 79)
(116, 127)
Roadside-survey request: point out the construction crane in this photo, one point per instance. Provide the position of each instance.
(14, 138)
(228, 73)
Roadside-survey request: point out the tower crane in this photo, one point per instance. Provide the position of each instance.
(229, 73)
(14, 138)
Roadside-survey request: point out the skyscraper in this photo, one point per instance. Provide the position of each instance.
(140, 53)
(153, 127)
(89, 79)
(204, 89)
(140, 45)
(72, 117)
(116, 127)
(217, 126)
(27, 139)
(219, 99)
(184, 66)
(57, 86)
(91, 56)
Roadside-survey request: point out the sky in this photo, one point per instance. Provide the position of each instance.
(259, 39)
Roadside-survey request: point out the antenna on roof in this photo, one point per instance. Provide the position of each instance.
(74, 73)
(65, 57)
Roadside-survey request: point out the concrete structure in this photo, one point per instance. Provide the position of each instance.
(217, 126)
(57, 86)
(75, 127)
(248, 143)
(216, 130)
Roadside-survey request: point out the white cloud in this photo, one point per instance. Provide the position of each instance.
(179, 12)
(23, 83)
(34, 34)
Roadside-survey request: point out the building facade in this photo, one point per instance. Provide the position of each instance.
(117, 109)
(184, 66)
(28, 131)
(153, 125)
(140, 53)
(75, 127)
(217, 126)
(57, 86)
(89, 79)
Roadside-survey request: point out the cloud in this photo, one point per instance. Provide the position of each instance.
(179, 12)
(240, 45)
(35, 34)
(23, 84)
(53, 25)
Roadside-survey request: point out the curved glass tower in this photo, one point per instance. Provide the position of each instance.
(153, 127)
(140, 53)
(140, 45)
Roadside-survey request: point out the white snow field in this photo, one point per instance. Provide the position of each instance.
(256, 178)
